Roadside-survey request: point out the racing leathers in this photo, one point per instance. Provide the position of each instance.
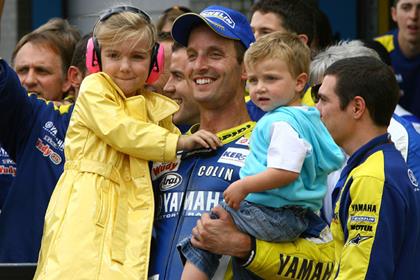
(189, 187)
(32, 132)
(376, 223)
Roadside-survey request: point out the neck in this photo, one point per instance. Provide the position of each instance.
(409, 49)
(215, 120)
(361, 137)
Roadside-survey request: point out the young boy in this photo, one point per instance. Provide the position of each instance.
(284, 177)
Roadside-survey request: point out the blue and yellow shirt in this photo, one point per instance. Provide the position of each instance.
(376, 223)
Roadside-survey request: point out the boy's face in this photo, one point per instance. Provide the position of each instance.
(407, 15)
(127, 64)
(272, 85)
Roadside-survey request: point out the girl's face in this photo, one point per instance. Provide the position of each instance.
(127, 64)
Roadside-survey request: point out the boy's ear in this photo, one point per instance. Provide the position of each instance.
(301, 81)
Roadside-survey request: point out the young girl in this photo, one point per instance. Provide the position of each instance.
(284, 177)
(99, 221)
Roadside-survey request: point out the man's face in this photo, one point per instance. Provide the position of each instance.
(407, 15)
(40, 71)
(212, 68)
(179, 89)
(337, 120)
(265, 23)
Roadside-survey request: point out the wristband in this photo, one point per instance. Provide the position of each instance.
(251, 253)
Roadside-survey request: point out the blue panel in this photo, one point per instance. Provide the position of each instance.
(342, 16)
(43, 10)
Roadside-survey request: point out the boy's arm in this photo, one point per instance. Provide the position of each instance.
(270, 178)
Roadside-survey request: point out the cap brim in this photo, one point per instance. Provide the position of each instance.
(183, 25)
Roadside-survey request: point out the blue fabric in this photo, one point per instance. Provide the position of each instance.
(7, 174)
(407, 71)
(187, 188)
(310, 187)
(226, 22)
(269, 224)
(254, 112)
(32, 132)
(396, 214)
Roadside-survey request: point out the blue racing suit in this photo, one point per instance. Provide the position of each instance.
(189, 187)
(376, 223)
(7, 174)
(32, 132)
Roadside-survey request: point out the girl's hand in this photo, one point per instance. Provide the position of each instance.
(234, 194)
(201, 138)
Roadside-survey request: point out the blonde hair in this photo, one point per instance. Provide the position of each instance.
(284, 46)
(123, 26)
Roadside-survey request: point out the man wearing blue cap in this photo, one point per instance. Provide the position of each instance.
(216, 40)
(191, 186)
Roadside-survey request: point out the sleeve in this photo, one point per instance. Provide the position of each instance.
(301, 259)
(375, 222)
(101, 113)
(286, 150)
(16, 111)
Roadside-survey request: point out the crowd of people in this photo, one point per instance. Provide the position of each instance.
(210, 145)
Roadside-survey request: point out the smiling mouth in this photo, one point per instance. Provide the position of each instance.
(203, 81)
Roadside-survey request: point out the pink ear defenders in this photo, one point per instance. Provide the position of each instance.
(93, 50)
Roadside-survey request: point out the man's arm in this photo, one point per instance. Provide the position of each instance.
(301, 259)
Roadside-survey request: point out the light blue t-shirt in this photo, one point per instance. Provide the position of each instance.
(324, 157)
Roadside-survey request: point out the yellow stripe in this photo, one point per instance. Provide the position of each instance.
(387, 41)
(366, 196)
(383, 19)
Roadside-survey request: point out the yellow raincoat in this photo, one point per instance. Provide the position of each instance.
(99, 220)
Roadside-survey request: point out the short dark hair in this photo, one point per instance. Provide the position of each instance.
(297, 16)
(370, 79)
(79, 54)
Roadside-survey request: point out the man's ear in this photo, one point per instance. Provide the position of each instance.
(304, 38)
(244, 75)
(358, 107)
(74, 77)
(394, 13)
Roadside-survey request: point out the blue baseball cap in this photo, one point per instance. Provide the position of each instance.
(226, 22)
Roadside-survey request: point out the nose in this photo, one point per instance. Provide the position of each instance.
(29, 80)
(200, 63)
(260, 87)
(125, 64)
(169, 87)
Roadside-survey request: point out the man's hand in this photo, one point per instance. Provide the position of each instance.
(234, 194)
(220, 236)
(201, 138)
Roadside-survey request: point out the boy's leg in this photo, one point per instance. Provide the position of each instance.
(191, 272)
(202, 260)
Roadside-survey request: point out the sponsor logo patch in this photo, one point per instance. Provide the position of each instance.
(359, 219)
(170, 181)
(218, 14)
(358, 239)
(413, 179)
(243, 141)
(234, 156)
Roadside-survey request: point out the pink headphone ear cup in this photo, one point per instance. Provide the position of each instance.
(92, 64)
(156, 71)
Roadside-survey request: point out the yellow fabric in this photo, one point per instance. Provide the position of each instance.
(307, 98)
(387, 41)
(301, 259)
(353, 261)
(99, 220)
